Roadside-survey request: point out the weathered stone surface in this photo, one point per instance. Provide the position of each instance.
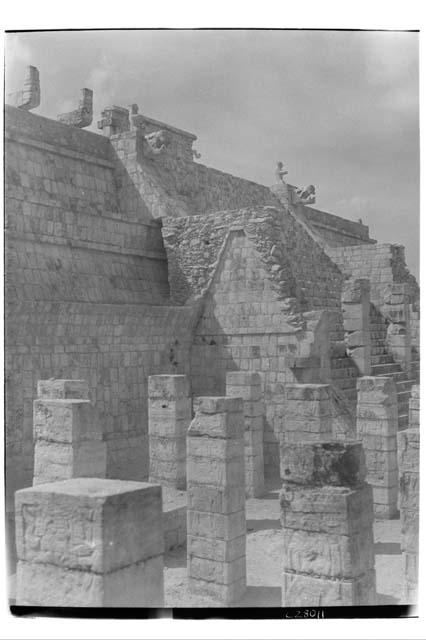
(218, 425)
(168, 387)
(301, 590)
(89, 524)
(323, 463)
(375, 389)
(48, 585)
(409, 450)
(337, 510)
(215, 499)
(326, 554)
(67, 421)
(62, 460)
(309, 392)
(62, 389)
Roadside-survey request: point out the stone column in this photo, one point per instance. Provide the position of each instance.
(397, 308)
(68, 440)
(356, 322)
(327, 518)
(216, 539)
(377, 426)
(414, 408)
(307, 412)
(90, 542)
(409, 482)
(248, 386)
(170, 414)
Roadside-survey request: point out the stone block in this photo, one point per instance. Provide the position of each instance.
(168, 387)
(307, 392)
(303, 409)
(170, 410)
(214, 499)
(214, 549)
(410, 531)
(326, 554)
(89, 524)
(61, 461)
(218, 404)
(213, 471)
(171, 473)
(216, 570)
(409, 491)
(66, 421)
(222, 449)
(409, 450)
(379, 462)
(375, 390)
(226, 593)
(378, 442)
(171, 448)
(372, 413)
(323, 463)
(387, 495)
(62, 389)
(308, 591)
(336, 510)
(48, 585)
(217, 525)
(376, 427)
(218, 425)
(242, 379)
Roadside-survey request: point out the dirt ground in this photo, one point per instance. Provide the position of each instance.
(264, 561)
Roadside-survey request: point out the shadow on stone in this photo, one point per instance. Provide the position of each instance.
(175, 558)
(384, 598)
(387, 548)
(259, 525)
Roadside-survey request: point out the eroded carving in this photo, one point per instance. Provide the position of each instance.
(115, 120)
(29, 96)
(83, 115)
(305, 195)
(158, 141)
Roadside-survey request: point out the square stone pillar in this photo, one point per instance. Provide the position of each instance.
(377, 426)
(68, 439)
(356, 322)
(409, 483)
(90, 542)
(307, 412)
(216, 536)
(169, 414)
(327, 519)
(248, 386)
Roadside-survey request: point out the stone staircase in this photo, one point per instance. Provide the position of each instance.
(383, 364)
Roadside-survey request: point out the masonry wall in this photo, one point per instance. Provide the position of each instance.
(336, 231)
(171, 185)
(87, 292)
(382, 264)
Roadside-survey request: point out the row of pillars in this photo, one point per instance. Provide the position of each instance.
(97, 542)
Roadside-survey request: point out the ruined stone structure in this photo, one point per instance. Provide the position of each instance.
(112, 554)
(126, 259)
(327, 518)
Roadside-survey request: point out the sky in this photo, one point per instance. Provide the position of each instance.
(339, 108)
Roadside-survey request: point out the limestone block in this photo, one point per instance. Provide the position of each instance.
(168, 387)
(61, 461)
(306, 409)
(169, 427)
(409, 450)
(171, 448)
(376, 390)
(225, 593)
(332, 555)
(223, 527)
(48, 585)
(379, 442)
(385, 495)
(411, 567)
(409, 487)
(213, 471)
(315, 425)
(66, 421)
(219, 448)
(410, 531)
(337, 510)
(355, 290)
(62, 389)
(379, 462)
(219, 404)
(385, 427)
(216, 570)
(323, 463)
(218, 425)
(89, 524)
(301, 590)
(219, 550)
(214, 499)
(171, 473)
(379, 412)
